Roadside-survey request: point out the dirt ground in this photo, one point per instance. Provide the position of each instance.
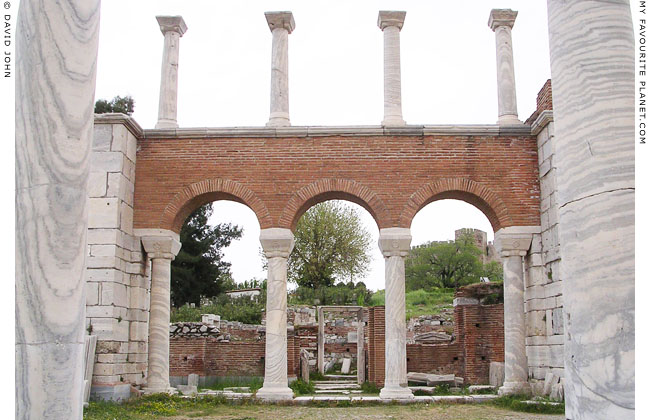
(437, 412)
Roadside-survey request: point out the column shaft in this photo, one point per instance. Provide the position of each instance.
(516, 363)
(281, 25)
(167, 102)
(592, 65)
(501, 21)
(395, 324)
(277, 244)
(392, 77)
(56, 51)
(321, 342)
(158, 376)
(361, 359)
(173, 28)
(280, 79)
(391, 22)
(395, 245)
(275, 367)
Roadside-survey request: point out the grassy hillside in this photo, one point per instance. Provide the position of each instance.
(420, 302)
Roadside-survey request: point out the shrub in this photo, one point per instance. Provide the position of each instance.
(300, 387)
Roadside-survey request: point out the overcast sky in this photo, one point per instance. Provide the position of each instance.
(335, 78)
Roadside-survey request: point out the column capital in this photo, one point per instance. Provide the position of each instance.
(395, 241)
(502, 17)
(388, 18)
(159, 243)
(277, 242)
(172, 24)
(280, 20)
(514, 240)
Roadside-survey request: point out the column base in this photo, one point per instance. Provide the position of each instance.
(393, 121)
(509, 120)
(279, 122)
(515, 388)
(162, 390)
(274, 393)
(166, 124)
(396, 393)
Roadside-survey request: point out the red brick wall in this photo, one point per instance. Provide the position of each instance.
(544, 102)
(479, 340)
(208, 357)
(376, 354)
(392, 176)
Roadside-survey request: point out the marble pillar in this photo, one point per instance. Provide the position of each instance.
(592, 65)
(501, 22)
(173, 28)
(512, 244)
(161, 249)
(395, 244)
(320, 362)
(281, 25)
(391, 23)
(54, 126)
(277, 244)
(361, 353)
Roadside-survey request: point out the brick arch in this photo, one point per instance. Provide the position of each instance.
(333, 189)
(208, 190)
(463, 189)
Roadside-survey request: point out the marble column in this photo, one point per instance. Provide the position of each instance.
(277, 244)
(592, 65)
(54, 126)
(361, 353)
(281, 25)
(501, 22)
(512, 244)
(395, 244)
(391, 23)
(161, 249)
(321, 341)
(173, 28)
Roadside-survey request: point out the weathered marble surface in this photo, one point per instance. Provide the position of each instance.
(173, 28)
(513, 243)
(281, 25)
(161, 250)
(501, 22)
(395, 244)
(592, 66)
(391, 23)
(56, 51)
(277, 244)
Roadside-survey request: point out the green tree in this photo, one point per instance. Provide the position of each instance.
(199, 268)
(331, 245)
(124, 105)
(446, 264)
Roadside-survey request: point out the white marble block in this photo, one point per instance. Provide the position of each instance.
(56, 59)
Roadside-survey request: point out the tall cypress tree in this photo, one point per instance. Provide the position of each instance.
(199, 268)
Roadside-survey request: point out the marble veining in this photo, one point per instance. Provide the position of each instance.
(56, 56)
(592, 66)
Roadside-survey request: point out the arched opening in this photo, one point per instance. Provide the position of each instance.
(340, 288)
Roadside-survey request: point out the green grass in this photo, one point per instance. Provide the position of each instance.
(369, 388)
(254, 383)
(299, 387)
(515, 403)
(150, 407)
(420, 302)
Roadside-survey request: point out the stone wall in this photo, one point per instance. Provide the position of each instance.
(117, 277)
(543, 283)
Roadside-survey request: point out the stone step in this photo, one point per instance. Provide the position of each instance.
(334, 382)
(336, 386)
(338, 391)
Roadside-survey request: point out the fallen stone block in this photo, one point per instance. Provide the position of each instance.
(187, 389)
(497, 374)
